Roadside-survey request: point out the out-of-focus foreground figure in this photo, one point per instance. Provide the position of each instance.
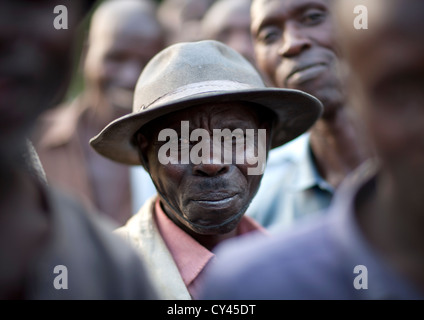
(124, 35)
(371, 243)
(43, 234)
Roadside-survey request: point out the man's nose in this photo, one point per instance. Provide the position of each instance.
(210, 169)
(294, 42)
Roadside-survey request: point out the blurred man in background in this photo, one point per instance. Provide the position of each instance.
(295, 48)
(370, 245)
(43, 234)
(124, 35)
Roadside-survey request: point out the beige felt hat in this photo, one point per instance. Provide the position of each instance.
(188, 74)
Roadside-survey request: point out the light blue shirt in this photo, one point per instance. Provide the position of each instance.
(291, 188)
(142, 187)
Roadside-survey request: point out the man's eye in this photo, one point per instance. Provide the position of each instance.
(313, 17)
(268, 35)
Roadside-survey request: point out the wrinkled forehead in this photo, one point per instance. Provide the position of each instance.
(281, 9)
(216, 115)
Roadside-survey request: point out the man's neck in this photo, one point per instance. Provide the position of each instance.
(211, 241)
(99, 112)
(337, 146)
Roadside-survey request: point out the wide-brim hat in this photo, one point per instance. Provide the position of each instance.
(194, 73)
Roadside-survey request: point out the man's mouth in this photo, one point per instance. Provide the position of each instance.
(304, 73)
(215, 200)
(121, 97)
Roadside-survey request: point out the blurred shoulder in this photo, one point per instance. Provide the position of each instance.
(86, 243)
(286, 266)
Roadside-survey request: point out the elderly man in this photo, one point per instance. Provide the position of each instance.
(295, 47)
(227, 21)
(202, 125)
(50, 247)
(124, 35)
(371, 243)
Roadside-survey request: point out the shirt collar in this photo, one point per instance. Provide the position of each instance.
(189, 255)
(307, 175)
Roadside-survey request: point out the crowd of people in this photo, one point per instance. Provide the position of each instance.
(219, 149)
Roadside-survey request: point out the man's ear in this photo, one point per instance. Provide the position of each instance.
(143, 146)
(83, 56)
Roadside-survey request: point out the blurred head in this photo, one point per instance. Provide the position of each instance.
(295, 47)
(124, 36)
(228, 21)
(35, 63)
(387, 80)
(209, 197)
(181, 19)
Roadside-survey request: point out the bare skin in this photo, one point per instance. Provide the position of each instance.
(209, 199)
(228, 21)
(295, 48)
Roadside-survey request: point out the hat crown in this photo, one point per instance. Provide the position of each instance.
(184, 64)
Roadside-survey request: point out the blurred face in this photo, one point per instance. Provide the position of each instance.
(35, 63)
(236, 34)
(389, 68)
(230, 24)
(116, 57)
(205, 198)
(295, 47)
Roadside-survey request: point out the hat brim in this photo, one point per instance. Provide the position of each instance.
(296, 112)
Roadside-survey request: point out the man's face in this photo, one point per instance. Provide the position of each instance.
(206, 198)
(295, 47)
(35, 62)
(388, 65)
(116, 57)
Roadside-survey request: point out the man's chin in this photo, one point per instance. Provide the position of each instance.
(121, 100)
(215, 227)
(210, 230)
